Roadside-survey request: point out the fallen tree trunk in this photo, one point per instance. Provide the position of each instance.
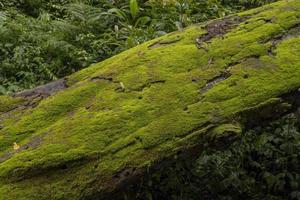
(94, 132)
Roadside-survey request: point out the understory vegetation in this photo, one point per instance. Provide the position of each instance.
(44, 40)
(262, 164)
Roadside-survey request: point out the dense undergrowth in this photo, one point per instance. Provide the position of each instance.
(46, 40)
(262, 164)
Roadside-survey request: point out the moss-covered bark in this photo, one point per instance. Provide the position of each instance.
(173, 94)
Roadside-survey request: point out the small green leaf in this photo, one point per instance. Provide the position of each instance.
(134, 8)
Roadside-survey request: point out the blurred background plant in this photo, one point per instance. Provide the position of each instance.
(44, 40)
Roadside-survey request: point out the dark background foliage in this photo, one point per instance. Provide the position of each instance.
(263, 164)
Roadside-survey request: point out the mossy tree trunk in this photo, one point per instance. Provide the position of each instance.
(100, 129)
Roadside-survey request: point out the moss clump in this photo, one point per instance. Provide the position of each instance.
(146, 104)
(225, 130)
(8, 103)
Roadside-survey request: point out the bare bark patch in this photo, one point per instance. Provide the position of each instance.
(44, 90)
(219, 28)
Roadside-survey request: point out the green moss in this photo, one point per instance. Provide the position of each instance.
(226, 130)
(8, 103)
(146, 104)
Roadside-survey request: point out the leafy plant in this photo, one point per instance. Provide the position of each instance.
(263, 164)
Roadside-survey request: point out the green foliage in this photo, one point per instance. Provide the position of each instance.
(263, 164)
(134, 8)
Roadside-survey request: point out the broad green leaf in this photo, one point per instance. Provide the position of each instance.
(134, 8)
